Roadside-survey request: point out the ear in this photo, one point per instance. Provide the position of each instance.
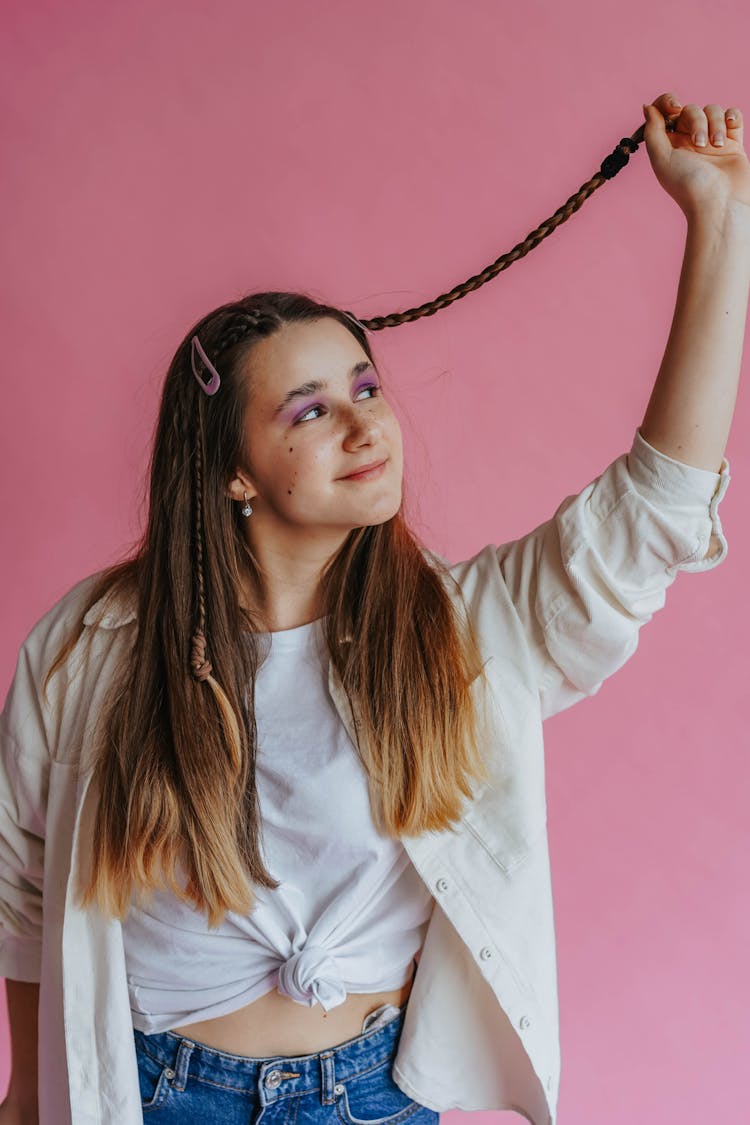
(239, 485)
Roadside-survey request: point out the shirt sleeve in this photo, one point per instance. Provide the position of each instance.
(584, 582)
(24, 777)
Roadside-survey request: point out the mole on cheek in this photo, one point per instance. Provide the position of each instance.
(291, 448)
(289, 492)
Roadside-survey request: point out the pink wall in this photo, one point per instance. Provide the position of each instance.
(164, 157)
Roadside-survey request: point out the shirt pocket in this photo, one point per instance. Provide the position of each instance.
(506, 842)
(508, 813)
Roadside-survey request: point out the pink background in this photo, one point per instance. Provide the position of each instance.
(162, 158)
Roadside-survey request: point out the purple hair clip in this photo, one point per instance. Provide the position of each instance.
(212, 386)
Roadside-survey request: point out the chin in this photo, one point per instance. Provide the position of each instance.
(385, 514)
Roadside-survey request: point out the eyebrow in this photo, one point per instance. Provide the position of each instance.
(318, 385)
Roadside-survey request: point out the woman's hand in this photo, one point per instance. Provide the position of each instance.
(702, 164)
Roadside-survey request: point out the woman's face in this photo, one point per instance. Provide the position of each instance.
(316, 414)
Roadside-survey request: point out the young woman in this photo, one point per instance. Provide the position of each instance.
(278, 780)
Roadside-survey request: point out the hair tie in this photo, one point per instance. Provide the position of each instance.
(199, 662)
(354, 320)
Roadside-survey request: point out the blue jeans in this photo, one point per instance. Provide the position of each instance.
(349, 1084)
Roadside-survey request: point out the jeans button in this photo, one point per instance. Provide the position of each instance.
(338, 1088)
(273, 1079)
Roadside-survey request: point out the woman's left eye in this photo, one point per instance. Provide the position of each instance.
(369, 387)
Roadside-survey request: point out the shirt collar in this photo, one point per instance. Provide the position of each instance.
(113, 610)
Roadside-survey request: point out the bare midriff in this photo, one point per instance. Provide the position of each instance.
(275, 1024)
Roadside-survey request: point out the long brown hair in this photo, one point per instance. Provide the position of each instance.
(175, 762)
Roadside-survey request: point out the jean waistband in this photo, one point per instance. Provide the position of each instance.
(286, 1074)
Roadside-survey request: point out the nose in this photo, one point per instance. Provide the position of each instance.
(363, 428)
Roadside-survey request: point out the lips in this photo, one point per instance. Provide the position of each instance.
(366, 468)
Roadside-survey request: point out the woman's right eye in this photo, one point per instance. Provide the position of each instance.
(309, 410)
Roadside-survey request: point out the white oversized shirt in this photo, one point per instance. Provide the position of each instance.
(556, 612)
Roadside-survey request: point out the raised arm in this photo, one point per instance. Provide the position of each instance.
(703, 166)
(586, 581)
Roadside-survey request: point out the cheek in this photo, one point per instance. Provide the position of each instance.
(296, 469)
(394, 432)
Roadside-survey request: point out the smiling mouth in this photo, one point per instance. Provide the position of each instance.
(367, 473)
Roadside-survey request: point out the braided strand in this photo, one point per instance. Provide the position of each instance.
(609, 168)
(199, 662)
(241, 325)
(244, 322)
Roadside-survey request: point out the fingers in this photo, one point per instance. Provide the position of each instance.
(733, 118)
(668, 103)
(708, 125)
(716, 125)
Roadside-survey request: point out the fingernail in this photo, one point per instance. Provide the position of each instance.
(701, 139)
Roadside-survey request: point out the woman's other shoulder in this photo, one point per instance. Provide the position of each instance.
(67, 658)
(65, 633)
(85, 604)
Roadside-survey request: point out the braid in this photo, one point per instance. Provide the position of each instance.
(610, 166)
(241, 324)
(201, 666)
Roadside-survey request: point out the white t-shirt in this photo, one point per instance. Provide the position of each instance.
(351, 910)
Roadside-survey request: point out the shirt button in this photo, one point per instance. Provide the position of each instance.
(442, 884)
(485, 953)
(524, 1022)
(273, 1078)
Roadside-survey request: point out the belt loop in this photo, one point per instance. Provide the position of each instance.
(327, 1078)
(182, 1064)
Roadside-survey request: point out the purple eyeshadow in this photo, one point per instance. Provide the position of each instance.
(367, 380)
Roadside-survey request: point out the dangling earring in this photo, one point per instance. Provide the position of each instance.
(246, 509)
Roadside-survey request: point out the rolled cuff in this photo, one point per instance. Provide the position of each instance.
(692, 491)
